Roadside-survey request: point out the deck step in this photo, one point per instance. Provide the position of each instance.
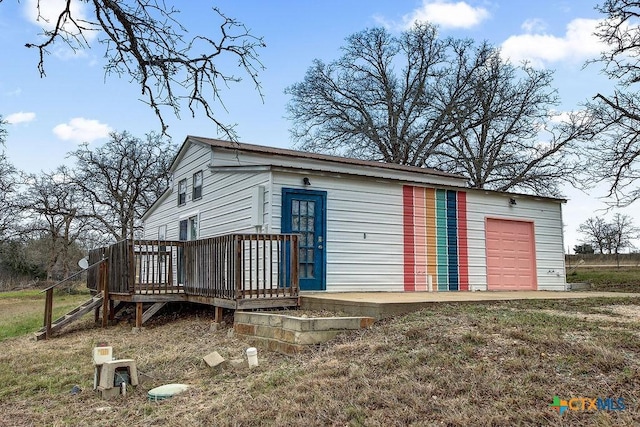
(152, 310)
(71, 316)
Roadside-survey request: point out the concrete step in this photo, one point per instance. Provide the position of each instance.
(290, 334)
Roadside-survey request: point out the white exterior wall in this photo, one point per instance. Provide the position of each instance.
(225, 206)
(167, 212)
(365, 235)
(364, 246)
(547, 218)
(356, 207)
(231, 203)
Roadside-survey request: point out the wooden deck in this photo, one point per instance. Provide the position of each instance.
(236, 271)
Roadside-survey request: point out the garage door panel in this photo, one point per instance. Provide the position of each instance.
(510, 255)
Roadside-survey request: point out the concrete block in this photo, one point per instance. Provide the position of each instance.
(278, 346)
(273, 333)
(265, 319)
(336, 323)
(214, 359)
(314, 337)
(240, 317)
(579, 286)
(289, 335)
(244, 329)
(107, 374)
(109, 393)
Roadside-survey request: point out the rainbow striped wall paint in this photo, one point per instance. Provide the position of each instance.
(435, 239)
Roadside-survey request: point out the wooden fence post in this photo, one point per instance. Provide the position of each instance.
(48, 313)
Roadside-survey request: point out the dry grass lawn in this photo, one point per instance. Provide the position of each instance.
(466, 364)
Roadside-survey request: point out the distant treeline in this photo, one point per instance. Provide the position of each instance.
(632, 259)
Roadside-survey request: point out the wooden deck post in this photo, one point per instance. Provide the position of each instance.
(48, 313)
(238, 270)
(218, 314)
(104, 285)
(293, 290)
(139, 313)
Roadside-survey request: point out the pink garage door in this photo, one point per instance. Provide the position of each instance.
(511, 255)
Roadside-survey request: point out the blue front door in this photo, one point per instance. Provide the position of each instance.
(304, 213)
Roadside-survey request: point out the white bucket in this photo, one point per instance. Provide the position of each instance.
(252, 356)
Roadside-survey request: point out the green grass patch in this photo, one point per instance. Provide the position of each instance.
(22, 312)
(22, 295)
(624, 279)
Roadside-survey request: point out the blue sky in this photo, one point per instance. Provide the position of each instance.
(75, 102)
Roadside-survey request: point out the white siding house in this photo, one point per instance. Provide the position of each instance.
(364, 226)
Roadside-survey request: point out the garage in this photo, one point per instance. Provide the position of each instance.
(511, 258)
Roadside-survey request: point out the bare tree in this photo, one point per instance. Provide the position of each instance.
(53, 206)
(507, 136)
(616, 154)
(121, 179)
(451, 104)
(623, 231)
(597, 232)
(359, 106)
(144, 39)
(3, 130)
(610, 237)
(8, 186)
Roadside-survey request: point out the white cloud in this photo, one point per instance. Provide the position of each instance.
(20, 117)
(577, 44)
(533, 25)
(561, 116)
(447, 14)
(46, 13)
(81, 130)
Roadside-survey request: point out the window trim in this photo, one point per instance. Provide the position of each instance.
(195, 188)
(191, 229)
(188, 220)
(182, 195)
(187, 217)
(162, 232)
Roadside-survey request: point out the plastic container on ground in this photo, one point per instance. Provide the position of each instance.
(252, 356)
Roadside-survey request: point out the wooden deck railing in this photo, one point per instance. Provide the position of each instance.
(241, 266)
(155, 267)
(93, 275)
(231, 267)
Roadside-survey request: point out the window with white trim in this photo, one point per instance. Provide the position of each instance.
(193, 227)
(162, 232)
(189, 228)
(182, 192)
(197, 185)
